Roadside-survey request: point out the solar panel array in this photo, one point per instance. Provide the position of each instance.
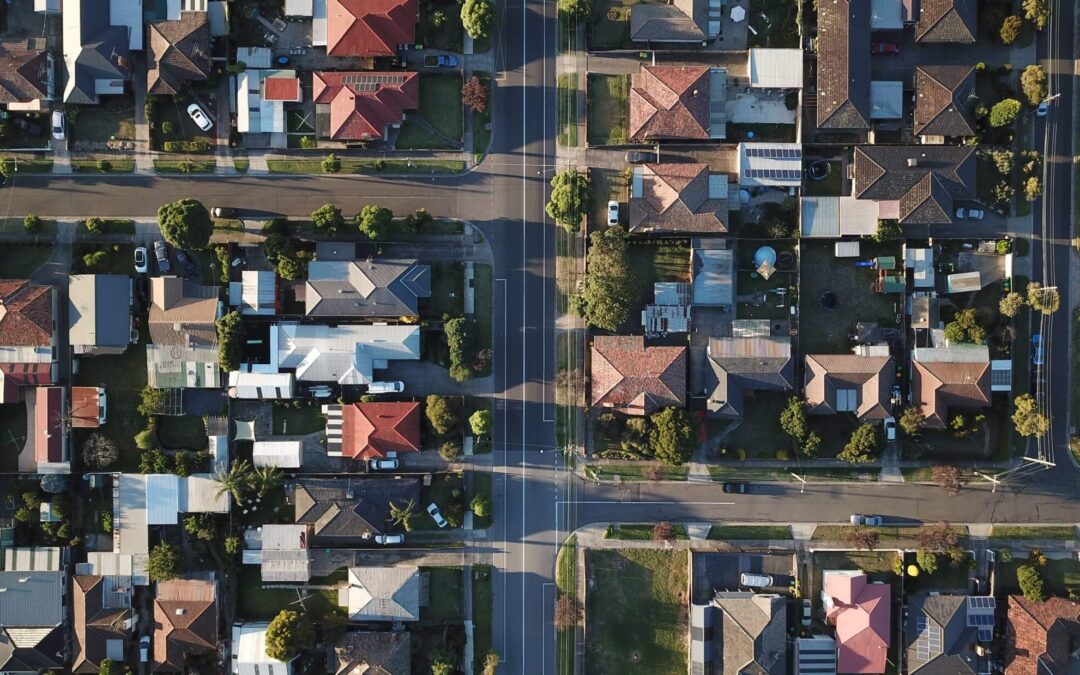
(980, 616)
(928, 644)
(775, 174)
(774, 153)
(365, 82)
(981, 602)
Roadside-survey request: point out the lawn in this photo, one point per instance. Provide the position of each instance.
(191, 165)
(1062, 576)
(482, 307)
(737, 532)
(607, 185)
(112, 120)
(878, 566)
(109, 226)
(639, 532)
(907, 536)
(368, 166)
(123, 377)
(638, 472)
(758, 434)
(262, 604)
(447, 290)
(481, 121)
(447, 491)
(19, 261)
(291, 421)
(440, 107)
(117, 259)
(608, 110)
(481, 614)
(447, 595)
(565, 580)
(636, 612)
(241, 164)
(724, 473)
(103, 165)
(610, 25)
(482, 486)
(829, 186)
(653, 262)
(946, 577)
(12, 435)
(440, 26)
(1032, 532)
(567, 110)
(26, 164)
(181, 432)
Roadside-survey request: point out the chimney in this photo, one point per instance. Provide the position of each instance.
(913, 161)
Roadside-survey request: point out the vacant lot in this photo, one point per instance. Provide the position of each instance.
(608, 108)
(636, 609)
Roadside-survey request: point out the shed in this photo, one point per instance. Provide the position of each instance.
(885, 262)
(886, 100)
(255, 294)
(260, 385)
(846, 249)
(838, 216)
(886, 14)
(254, 57)
(921, 262)
(162, 499)
(249, 652)
(963, 282)
(282, 454)
(775, 68)
(299, 8)
(893, 283)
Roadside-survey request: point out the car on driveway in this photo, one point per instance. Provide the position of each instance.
(144, 649)
(389, 539)
(867, 520)
(436, 515)
(613, 212)
(969, 214)
(223, 212)
(383, 464)
(887, 48)
(447, 61)
(183, 259)
(141, 266)
(161, 254)
(59, 125)
(737, 488)
(754, 580)
(198, 116)
(395, 387)
(890, 428)
(640, 157)
(1037, 349)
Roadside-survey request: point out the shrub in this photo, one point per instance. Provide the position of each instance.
(1010, 29)
(163, 562)
(331, 164)
(375, 221)
(450, 450)
(1031, 583)
(167, 127)
(308, 143)
(1004, 112)
(673, 435)
(474, 95)
(230, 332)
(31, 223)
(104, 165)
(95, 225)
(862, 443)
(442, 413)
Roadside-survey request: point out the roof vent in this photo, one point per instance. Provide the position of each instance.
(179, 611)
(913, 161)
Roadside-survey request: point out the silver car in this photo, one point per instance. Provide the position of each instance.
(869, 521)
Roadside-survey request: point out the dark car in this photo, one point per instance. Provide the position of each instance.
(183, 259)
(161, 254)
(737, 488)
(887, 48)
(640, 157)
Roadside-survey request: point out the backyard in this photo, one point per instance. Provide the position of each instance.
(123, 377)
(608, 110)
(181, 432)
(652, 262)
(293, 421)
(12, 435)
(831, 185)
(779, 29)
(262, 604)
(439, 122)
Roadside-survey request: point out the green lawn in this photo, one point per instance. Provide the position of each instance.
(447, 290)
(638, 472)
(111, 165)
(482, 486)
(481, 614)
(905, 535)
(290, 421)
(781, 30)
(12, 435)
(637, 612)
(482, 307)
(947, 577)
(737, 532)
(608, 110)
(610, 26)
(1032, 532)
(440, 106)
(728, 472)
(758, 434)
(182, 432)
(195, 165)
(1062, 576)
(368, 166)
(565, 580)
(241, 164)
(445, 602)
(19, 261)
(109, 226)
(123, 377)
(830, 186)
(262, 604)
(481, 121)
(567, 87)
(117, 259)
(639, 532)
(16, 164)
(47, 229)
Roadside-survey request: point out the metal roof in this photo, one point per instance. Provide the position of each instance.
(249, 652)
(129, 514)
(33, 559)
(162, 499)
(775, 68)
(282, 454)
(829, 217)
(343, 354)
(886, 100)
(31, 599)
(712, 273)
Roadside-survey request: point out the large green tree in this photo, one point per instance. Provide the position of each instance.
(793, 418)
(478, 17)
(442, 413)
(1004, 112)
(163, 562)
(1037, 12)
(480, 422)
(1031, 583)
(1027, 418)
(1033, 82)
(327, 219)
(570, 198)
(288, 634)
(673, 435)
(375, 221)
(965, 328)
(610, 286)
(230, 333)
(860, 446)
(186, 223)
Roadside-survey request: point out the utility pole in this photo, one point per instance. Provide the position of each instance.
(1039, 460)
(802, 488)
(993, 480)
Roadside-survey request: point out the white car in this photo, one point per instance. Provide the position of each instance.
(389, 539)
(144, 649)
(199, 117)
(613, 212)
(321, 391)
(141, 261)
(383, 464)
(386, 387)
(102, 405)
(755, 580)
(59, 125)
(890, 428)
(433, 511)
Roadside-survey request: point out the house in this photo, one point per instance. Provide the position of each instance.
(843, 65)
(384, 593)
(370, 27)
(677, 198)
(944, 101)
(348, 354)
(775, 165)
(32, 619)
(1041, 637)
(740, 365)
(27, 337)
(749, 634)
(102, 620)
(125, 568)
(943, 378)
(861, 613)
(712, 274)
(99, 314)
(49, 438)
(88, 407)
(178, 53)
(678, 103)
(261, 385)
(633, 379)
(281, 551)
(385, 653)
(344, 509)
(362, 106)
(915, 184)
(179, 367)
(185, 622)
(159, 499)
(815, 655)
(249, 652)
(183, 313)
(838, 383)
(255, 294)
(372, 430)
(942, 632)
(682, 22)
(27, 75)
(282, 454)
(95, 45)
(372, 288)
(261, 97)
(947, 21)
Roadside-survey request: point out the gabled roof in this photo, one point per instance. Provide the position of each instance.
(670, 102)
(384, 653)
(946, 21)
(832, 380)
(185, 621)
(682, 21)
(372, 430)
(369, 27)
(49, 438)
(946, 378)
(100, 623)
(179, 52)
(26, 314)
(1041, 636)
(753, 631)
(379, 287)
(351, 508)
(346, 354)
(921, 182)
(634, 379)
(861, 613)
(99, 314)
(740, 364)
(182, 313)
(31, 634)
(363, 104)
(15, 376)
(23, 71)
(94, 50)
(939, 640)
(384, 593)
(942, 106)
(843, 67)
(678, 198)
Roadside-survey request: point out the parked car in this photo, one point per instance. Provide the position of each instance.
(389, 539)
(869, 521)
(807, 610)
(613, 212)
(1037, 349)
(195, 112)
(640, 157)
(383, 464)
(223, 212)
(102, 406)
(737, 488)
(190, 267)
(321, 391)
(395, 387)
(887, 48)
(161, 253)
(890, 428)
(1044, 107)
(59, 125)
(755, 580)
(144, 649)
(140, 260)
(436, 515)
(448, 61)
(969, 214)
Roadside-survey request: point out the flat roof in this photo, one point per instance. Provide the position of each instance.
(830, 217)
(886, 100)
(775, 68)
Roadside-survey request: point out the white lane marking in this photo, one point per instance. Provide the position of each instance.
(623, 503)
(524, 276)
(505, 492)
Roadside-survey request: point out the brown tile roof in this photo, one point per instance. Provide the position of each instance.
(670, 102)
(26, 314)
(676, 198)
(946, 21)
(24, 71)
(48, 428)
(95, 623)
(178, 52)
(370, 27)
(362, 111)
(182, 312)
(942, 100)
(634, 379)
(937, 386)
(923, 180)
(843, 64)
(871, 377)
(185, 622)
(1040, 636)
(370, 653)
(371, 430)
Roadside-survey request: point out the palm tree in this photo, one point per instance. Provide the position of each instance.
(236, 480)
(266, 479)
(403, 516)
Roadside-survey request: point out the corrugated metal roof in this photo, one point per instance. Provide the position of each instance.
(200, 493)
(162, 499)
(886, 100)
(344, 354)
(254, 57)
(838, 217)
(129, 517)
(260, 385)
(712, 271)
(776, 68)
(282, 454)
(38, 559)
(257, 292)
(963, 282)
(301, 8)
(249, 652)
(31, 599)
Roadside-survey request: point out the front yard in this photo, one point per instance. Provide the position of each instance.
(608, 109)
(18, 261)
(757, 435)
(113, 120)
(1062, 576)
(446, 595)
(102, 259)
(441, 110)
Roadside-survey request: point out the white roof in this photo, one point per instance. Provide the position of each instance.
(343, 354)
(770, 164)
(257, 289)
(302, 8)
(953, 354)
(776, 68)
(886, 14)
(838, 216)
(318, 23)
(32, 559)
(886, 100)
(284, 537)
(260, 385)
(254, 57)
(249, 652)
(964, 282)
(282, 454)
(846, 249)
(921, 261)
(256, 115)
(162, 499)
(129, 515)
(218, 447)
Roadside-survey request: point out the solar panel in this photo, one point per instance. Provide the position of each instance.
(986, 634)
(928, 644)
(982, 602)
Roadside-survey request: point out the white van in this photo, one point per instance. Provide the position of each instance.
(755, 580)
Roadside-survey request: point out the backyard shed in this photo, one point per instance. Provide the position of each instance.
(963, 282)
(282, 454)
(846, 249)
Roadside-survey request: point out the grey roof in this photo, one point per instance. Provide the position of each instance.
(384, 593)
(943, 100)
(358, 288)
(925, 180)
(383, 653)
(351, 508)
(843, 75)
(347, 354)
(712, 272)
(683, 21)
(946, 21)
(737, 365)
(31, 599)
(102, 52)
(753, 633)
(99, 312)
(946, 616)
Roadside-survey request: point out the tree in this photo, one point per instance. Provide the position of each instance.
(864, 537)
(1027, 419)
(154, 461)
(1011, 304)
(230, 334)
(491, 663)
(663, 531)
(1037, 12)
(442, 662)
(201, 526)
(1031, 583)
(186, 223)
(610, 286)
(291, 269)
(480, 422)
(450, 450)
(793, 418)
(375, 221)
(481, 505)
(31, 223)
(1033, 82)
(965, 328)
(327, 219)
(1010, 29)
(578, 9)
(634, 437)
(163, 562)
(151, 402)
(926, 560)
(474, 94)
(673, 435)
(99, 451)
(288, 634)
(570, 199)
(403, 516)
(1003, 160)
(1003, 193)
(811, 445)
(1004, 112)
(950, 478)
(459, 339)
(233, 544)
(442, 413)
(94, 225)
(418, 221)
(912, 420)
(266, 479)
(1032, 188)
(863, 441)
(478, 17)
(235, 480)
(887, 230)
(567, 612)
(938, 537)
(1046, 300)
(331, 164)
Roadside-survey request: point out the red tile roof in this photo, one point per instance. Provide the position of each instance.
(48, 424)
(281, 89)
(14, 376)
(84, 407)
(25, 314)
(362, 104)
(371, 430)
(860, 613)
(1040, 633)
(370, 27)
(670, 102)
(635, 379)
